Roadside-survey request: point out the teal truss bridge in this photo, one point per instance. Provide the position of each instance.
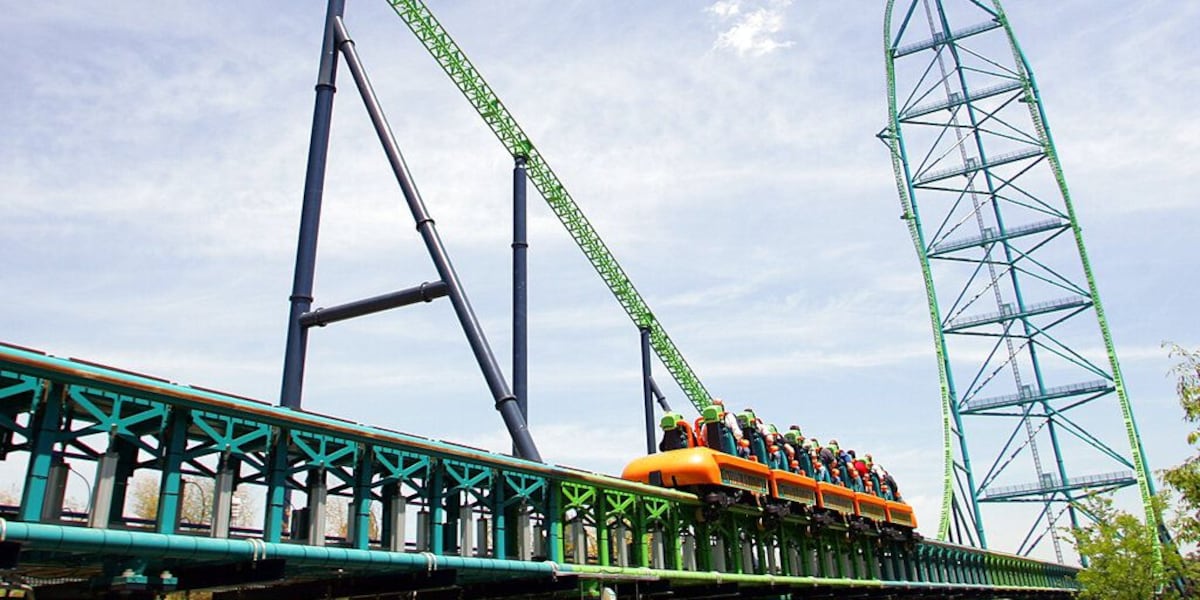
(456, 522)
(1035, 411)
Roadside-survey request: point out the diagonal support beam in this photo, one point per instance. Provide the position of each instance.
(506, 401)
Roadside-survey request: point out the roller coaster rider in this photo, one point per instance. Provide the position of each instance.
(854, 481)
(718, 429)
(677, 433)
(820, 473)
(779, 455)
(794, 440)
(754, 443)
(826, 454)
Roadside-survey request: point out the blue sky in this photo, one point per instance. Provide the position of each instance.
(152, 161)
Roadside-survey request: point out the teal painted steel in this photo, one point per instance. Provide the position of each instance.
(1013, 303)
(167, 516)
(44, 429)
(629, 531)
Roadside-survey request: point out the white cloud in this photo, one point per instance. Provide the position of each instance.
(750, 33)
(726, 8)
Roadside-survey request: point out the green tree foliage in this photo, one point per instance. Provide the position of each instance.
(1121, 553)
(1185, 478)
(1118, 544)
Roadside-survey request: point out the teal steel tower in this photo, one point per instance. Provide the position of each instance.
(1035, 412)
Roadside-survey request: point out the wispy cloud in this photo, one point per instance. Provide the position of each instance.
(750, 32)
(153, 162)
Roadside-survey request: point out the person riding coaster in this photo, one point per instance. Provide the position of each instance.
(801, 461)
(753, 432)
(721, 481)
(778, 452)
(718, 429)
(677, 433)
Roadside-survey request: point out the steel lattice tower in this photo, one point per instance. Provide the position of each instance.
(1033, 402)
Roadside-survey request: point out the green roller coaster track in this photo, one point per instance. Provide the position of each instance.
(470, 82)
(909, 179)
(480, 95)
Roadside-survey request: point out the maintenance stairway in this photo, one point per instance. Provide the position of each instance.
(427, 519)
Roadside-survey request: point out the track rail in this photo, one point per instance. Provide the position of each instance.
(450, 56)
(538, 520)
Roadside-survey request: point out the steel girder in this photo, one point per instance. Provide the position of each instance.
(413, 503)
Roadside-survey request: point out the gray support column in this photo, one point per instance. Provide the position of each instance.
(126, 464)
(718, 554)
(393, 526)
(223, 489)
(540, 539)
(396, 541)
(466, 531)
(658, 549)
(524, 535)
(56, 490)
(102, 489)
(689, 552)
(505, 401)
(579, 541)
(310, 215)
(828, 566)
(423, 531)
(622, 544)
(747, 556)
(483, 529)
(873, 561)
(316, 507)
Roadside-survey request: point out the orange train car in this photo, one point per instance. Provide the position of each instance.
(794, 487)
(871, 507)
(835, 502)
(721, 480)
(700, 467)
(901, 514)
(791, 494)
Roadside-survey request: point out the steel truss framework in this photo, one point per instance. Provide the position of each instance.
(458, 67)
(415, 505)
(1015, 310)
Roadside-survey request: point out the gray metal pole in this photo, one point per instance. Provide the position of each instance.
(310, 215)
(520, 307)
(658, 395)
(506, 403)
(426, 292)
(647, 391)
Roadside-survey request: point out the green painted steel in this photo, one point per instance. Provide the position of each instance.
(951, 425)
(458, 67)
(1145, 479)
(488, 515)
(957, 142)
